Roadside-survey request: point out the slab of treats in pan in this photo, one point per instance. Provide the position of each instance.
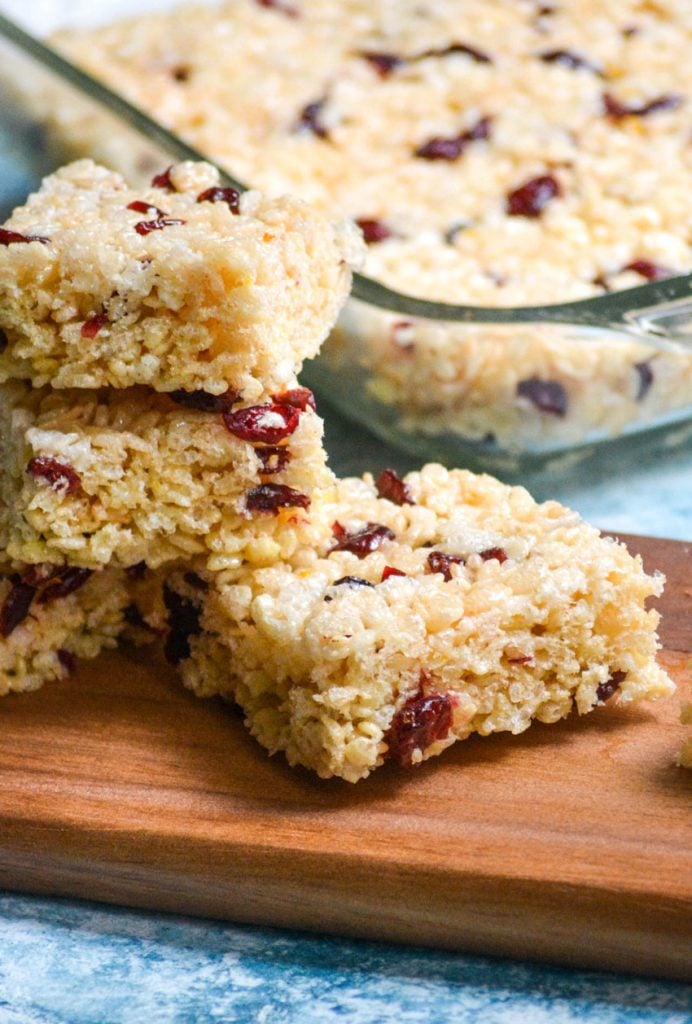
(494, 153)
(427, 609)
(182, 285)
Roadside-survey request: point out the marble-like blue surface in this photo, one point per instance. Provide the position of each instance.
(63, 963)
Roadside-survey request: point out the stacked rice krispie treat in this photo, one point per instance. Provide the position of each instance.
(495, 153)
(149, 407)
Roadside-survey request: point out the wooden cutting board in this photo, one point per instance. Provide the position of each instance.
(571, 843)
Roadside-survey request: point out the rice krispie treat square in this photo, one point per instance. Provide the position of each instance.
(94, 477)
(52, 615)
(182, 285)
(431, 608)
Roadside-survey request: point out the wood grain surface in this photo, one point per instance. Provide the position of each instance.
(570, 843)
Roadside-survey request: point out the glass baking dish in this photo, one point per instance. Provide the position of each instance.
(537, 390)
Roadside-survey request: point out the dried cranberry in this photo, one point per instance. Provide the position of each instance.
(4, 341)
(93, 325)
(498, 554)
(421, 722)
(133, 617)
(480, 56)
(383, 63)
(309, 119)
(439, 561)
(67, 660)
(374, 231)
(389, 571)
(606, 690)
(569, 59)
(140, 206)
(298, 398)
(145, 227)
(547, 395)
(205, 402)
(521, 659)
(650, 271)
(646, 378)
(390, 485)
(617, 110)
(195, 581)
(163, 180)
(531, 198)
(61, 582)
(264, 424)
(228, 195)
(402, 334)
(274, 458)
(183, 622)
(11, 237)
(15, 607)
(348, 581)
(56, 474)
(362, 542)
(441, 148)
(272, 497)
(279, 5)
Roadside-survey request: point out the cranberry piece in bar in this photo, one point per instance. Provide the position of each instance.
(274, 458)
(12, 237)
(364, 541)
(440, 561)
(63, 581)
(606, 690)
(205, 402)
(547, 395)
(280, 5)
(163, 180)
(383, 63)
(272, 497)
(569, 59)
(140, 206)
(184, 623)
(145, 227)
(93, 325)
(442, 148)
(418, 724)
(649, 270)
(348, 581)
(646, 378)
(309, 119)
(299, 398)
(498, 554)
(390, 485)
(480, 56)
(531, 198)
(56, 474)
(264, 424)
(228, 195)
(617, 110)
(374, 231)
(15, 607)
(389, 571)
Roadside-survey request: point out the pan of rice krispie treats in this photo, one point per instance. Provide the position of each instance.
(180, 285)
(432, 607)
(127, 476)
(492, 153)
